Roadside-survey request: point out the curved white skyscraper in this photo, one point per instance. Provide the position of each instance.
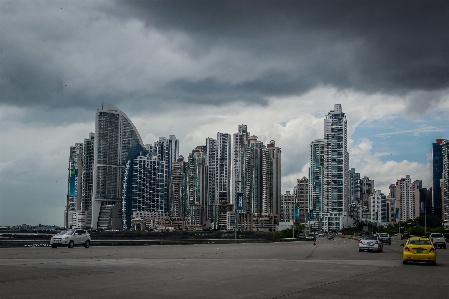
(114, 135)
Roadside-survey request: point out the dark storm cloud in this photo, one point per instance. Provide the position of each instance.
(282, 48)
(372, 46)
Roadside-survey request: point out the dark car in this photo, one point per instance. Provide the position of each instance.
(310, 237)
(385, 238)
(405, 235)
(330, 236)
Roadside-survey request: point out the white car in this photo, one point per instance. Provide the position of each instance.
(70, 238)
(370, 243)
(321, 235)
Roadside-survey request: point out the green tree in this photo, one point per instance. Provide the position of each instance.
(430, 220)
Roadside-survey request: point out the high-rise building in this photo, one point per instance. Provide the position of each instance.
(316, 192)
(367, 189)
(271, 179)
(261, 168)
(288, 203)
(219, 167)
(88, 176)
(223, 168)
(143, 194)
(301, 192)
(437, 176)
(355, 195)
(211, 154)
(378, 208)
(179, 193)
(114, 135)
(444, 183)
(251, 168)
(74, 194)
(198, 189)
(407, 199)
(332, 207)
(240, 139)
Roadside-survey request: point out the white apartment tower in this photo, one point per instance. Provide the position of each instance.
(407, 199)
(329, 189)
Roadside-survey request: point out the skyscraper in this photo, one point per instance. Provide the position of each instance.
(437, 151)
(445, 181)
(167, 151)
(211, 160)
(114, 135)
(240, 139)
(271, 179)
(198, 189)
(301, 192)
(223, 168)
(179, 193)
(354, 195)
(74, 194)
(331, 207)
(407, 199)
(143, 193)
(261, 169)
(316, 191)
(88, 177)
(336, 170)
(219, 172)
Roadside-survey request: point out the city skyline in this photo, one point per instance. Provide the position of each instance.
(175, 71)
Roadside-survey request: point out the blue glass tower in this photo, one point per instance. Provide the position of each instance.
(437, 176)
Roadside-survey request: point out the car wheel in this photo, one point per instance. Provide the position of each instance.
(87, 244)
(54, 246)
(360, 250)
(389, 243)
(71, 244)
(433, 263)
(444, 246)
(404, 262)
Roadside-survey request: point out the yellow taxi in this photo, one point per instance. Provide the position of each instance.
(419, 249)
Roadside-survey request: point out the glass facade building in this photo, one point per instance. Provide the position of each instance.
(114, 136)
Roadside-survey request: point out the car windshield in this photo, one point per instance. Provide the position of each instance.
(419, 242)
(369, 238)
(66, 232)
(383, 234)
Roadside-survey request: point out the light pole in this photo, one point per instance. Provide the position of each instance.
(425, 218)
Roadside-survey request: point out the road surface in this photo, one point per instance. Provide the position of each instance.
(329, 269)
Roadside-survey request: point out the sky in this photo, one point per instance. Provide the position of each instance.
(195, 68)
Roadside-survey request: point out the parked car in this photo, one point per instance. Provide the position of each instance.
(310, 237)
(405, 236)
(70, 238)
(438, 240)
(321, 235)
(385, 238)
(418, 249)
(330, 236)
(370, 243)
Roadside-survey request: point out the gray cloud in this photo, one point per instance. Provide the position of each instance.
(381, 46)
(234, 51)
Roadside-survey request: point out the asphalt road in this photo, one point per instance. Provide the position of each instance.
(329, 269)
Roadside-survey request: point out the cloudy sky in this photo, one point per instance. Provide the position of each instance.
(195, 68)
